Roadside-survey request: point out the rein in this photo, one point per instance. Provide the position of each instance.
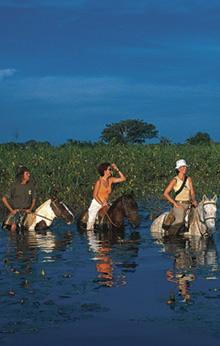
(197, 222)
(43, 217)
(126, 214)
(125, 208)
(106, 214)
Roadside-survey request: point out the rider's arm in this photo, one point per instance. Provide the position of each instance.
(167, 191)
(122, 177)
(5, 201)
(32, 206)
(192, 192)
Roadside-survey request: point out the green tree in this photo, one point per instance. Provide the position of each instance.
(129, 131)
(165, 141)
(199, 138)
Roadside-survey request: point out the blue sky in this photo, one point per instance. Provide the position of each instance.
(68, 68)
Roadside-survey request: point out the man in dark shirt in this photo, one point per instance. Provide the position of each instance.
(22, 196)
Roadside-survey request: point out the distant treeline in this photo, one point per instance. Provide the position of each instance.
(70, 170)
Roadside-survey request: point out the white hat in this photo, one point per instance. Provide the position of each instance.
(180, 163)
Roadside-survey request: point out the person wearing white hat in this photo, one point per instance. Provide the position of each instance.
(180, 163)
(184, 195)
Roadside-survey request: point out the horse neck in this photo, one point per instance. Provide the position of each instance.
(200, 216)
(199, 210)
(116, 212)
(46, 210)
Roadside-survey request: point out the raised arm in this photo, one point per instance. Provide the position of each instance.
(122, 177)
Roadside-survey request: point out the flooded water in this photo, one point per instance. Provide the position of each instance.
(68, 288)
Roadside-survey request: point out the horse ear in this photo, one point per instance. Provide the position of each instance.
(215, 198)
(204, 198)
(52, 197)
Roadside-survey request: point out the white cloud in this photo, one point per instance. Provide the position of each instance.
(9, 72)
(98, 90)
(58, 89)
(76, 100)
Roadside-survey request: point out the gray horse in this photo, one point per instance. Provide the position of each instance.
(202, 220)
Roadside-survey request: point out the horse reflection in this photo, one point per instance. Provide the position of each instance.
(105, 246)
(28, 244)
(190, 254)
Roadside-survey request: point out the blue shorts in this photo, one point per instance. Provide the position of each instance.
(14, 218)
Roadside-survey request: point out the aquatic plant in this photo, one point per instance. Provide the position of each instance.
(70, 170)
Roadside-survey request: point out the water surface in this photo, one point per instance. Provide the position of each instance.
(66, 287)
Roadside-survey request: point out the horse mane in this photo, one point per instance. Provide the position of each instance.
(119, 199)
(116, 201)
(194, 212)
(192, 215)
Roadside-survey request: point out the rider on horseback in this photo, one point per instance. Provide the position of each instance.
(23, 198)
(184, 198)
(102, 191)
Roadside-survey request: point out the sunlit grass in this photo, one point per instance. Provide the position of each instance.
(70, 170)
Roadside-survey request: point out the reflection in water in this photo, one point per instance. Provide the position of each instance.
(182, 280)
(112, 251)
(49, 280)
(28, 243)
(190, 255)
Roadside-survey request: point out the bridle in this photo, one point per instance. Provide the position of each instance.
(126, 214)
(60, 213)
(203, 222)
(210, 217)
(126, 210)
(56, 210)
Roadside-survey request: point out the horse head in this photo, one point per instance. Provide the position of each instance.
(130, 208)
(62, 211)
(209, 211)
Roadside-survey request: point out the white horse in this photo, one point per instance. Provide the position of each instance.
(202, 221)
(42, 218)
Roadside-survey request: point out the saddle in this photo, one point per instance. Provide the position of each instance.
(170, 218)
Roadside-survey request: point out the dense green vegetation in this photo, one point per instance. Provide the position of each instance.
(71, 169)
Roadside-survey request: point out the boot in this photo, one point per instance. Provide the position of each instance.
(169, 219)
(173, 230)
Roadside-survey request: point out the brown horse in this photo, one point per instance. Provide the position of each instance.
(113, 218)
